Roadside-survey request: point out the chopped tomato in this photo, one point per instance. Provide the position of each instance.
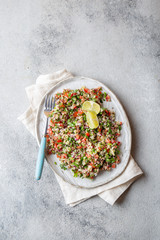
(55, 145)
(86, 90)
(64, 155)
(87, 134)
(108, 98)
(96, 156)
(108, 112)
(92, 165)
(88, 155)
(52, 124)
(100, 129)
(120, 123)
(79, 147)
(108, 168)
(113, 165)
(73, 94)
(58, 95)
(62, 106)
(77, 136)
(50, 132)
(58, 156)
(75, 107)
(59, 140)
(82, 99)
(75, 114)
(66, 95)
(80, 111)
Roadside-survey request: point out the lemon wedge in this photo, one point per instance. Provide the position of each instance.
(92, 119)
(91, 106)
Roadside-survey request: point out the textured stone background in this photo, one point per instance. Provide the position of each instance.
(116, 42)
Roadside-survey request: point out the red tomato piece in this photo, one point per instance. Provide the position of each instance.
(80, 111)
(66, 95)
(86, 90)
(62, 106)
(75, 114)
(113, 165)
(108, 98)
(96, 156)
(84, 139)
(77, 136)
(50, 131)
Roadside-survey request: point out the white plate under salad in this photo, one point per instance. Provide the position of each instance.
(125, 138)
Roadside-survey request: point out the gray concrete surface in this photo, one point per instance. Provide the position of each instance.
(116, 42)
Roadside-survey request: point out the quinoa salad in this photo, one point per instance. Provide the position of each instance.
(83, 150)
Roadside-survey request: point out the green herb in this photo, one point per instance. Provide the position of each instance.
(76, 174)
(63, 166)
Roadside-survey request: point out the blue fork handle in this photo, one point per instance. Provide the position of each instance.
(40, 160)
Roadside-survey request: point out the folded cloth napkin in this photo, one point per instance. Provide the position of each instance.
(111, 191)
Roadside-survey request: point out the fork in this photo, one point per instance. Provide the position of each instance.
(49, 105)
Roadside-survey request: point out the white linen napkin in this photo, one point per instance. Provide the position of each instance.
(111, 191)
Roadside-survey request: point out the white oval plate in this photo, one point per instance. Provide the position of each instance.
(125, 138)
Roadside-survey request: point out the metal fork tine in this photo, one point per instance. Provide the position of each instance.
(45, 102)
(54, 102)
(48, 103)
(51, 102)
